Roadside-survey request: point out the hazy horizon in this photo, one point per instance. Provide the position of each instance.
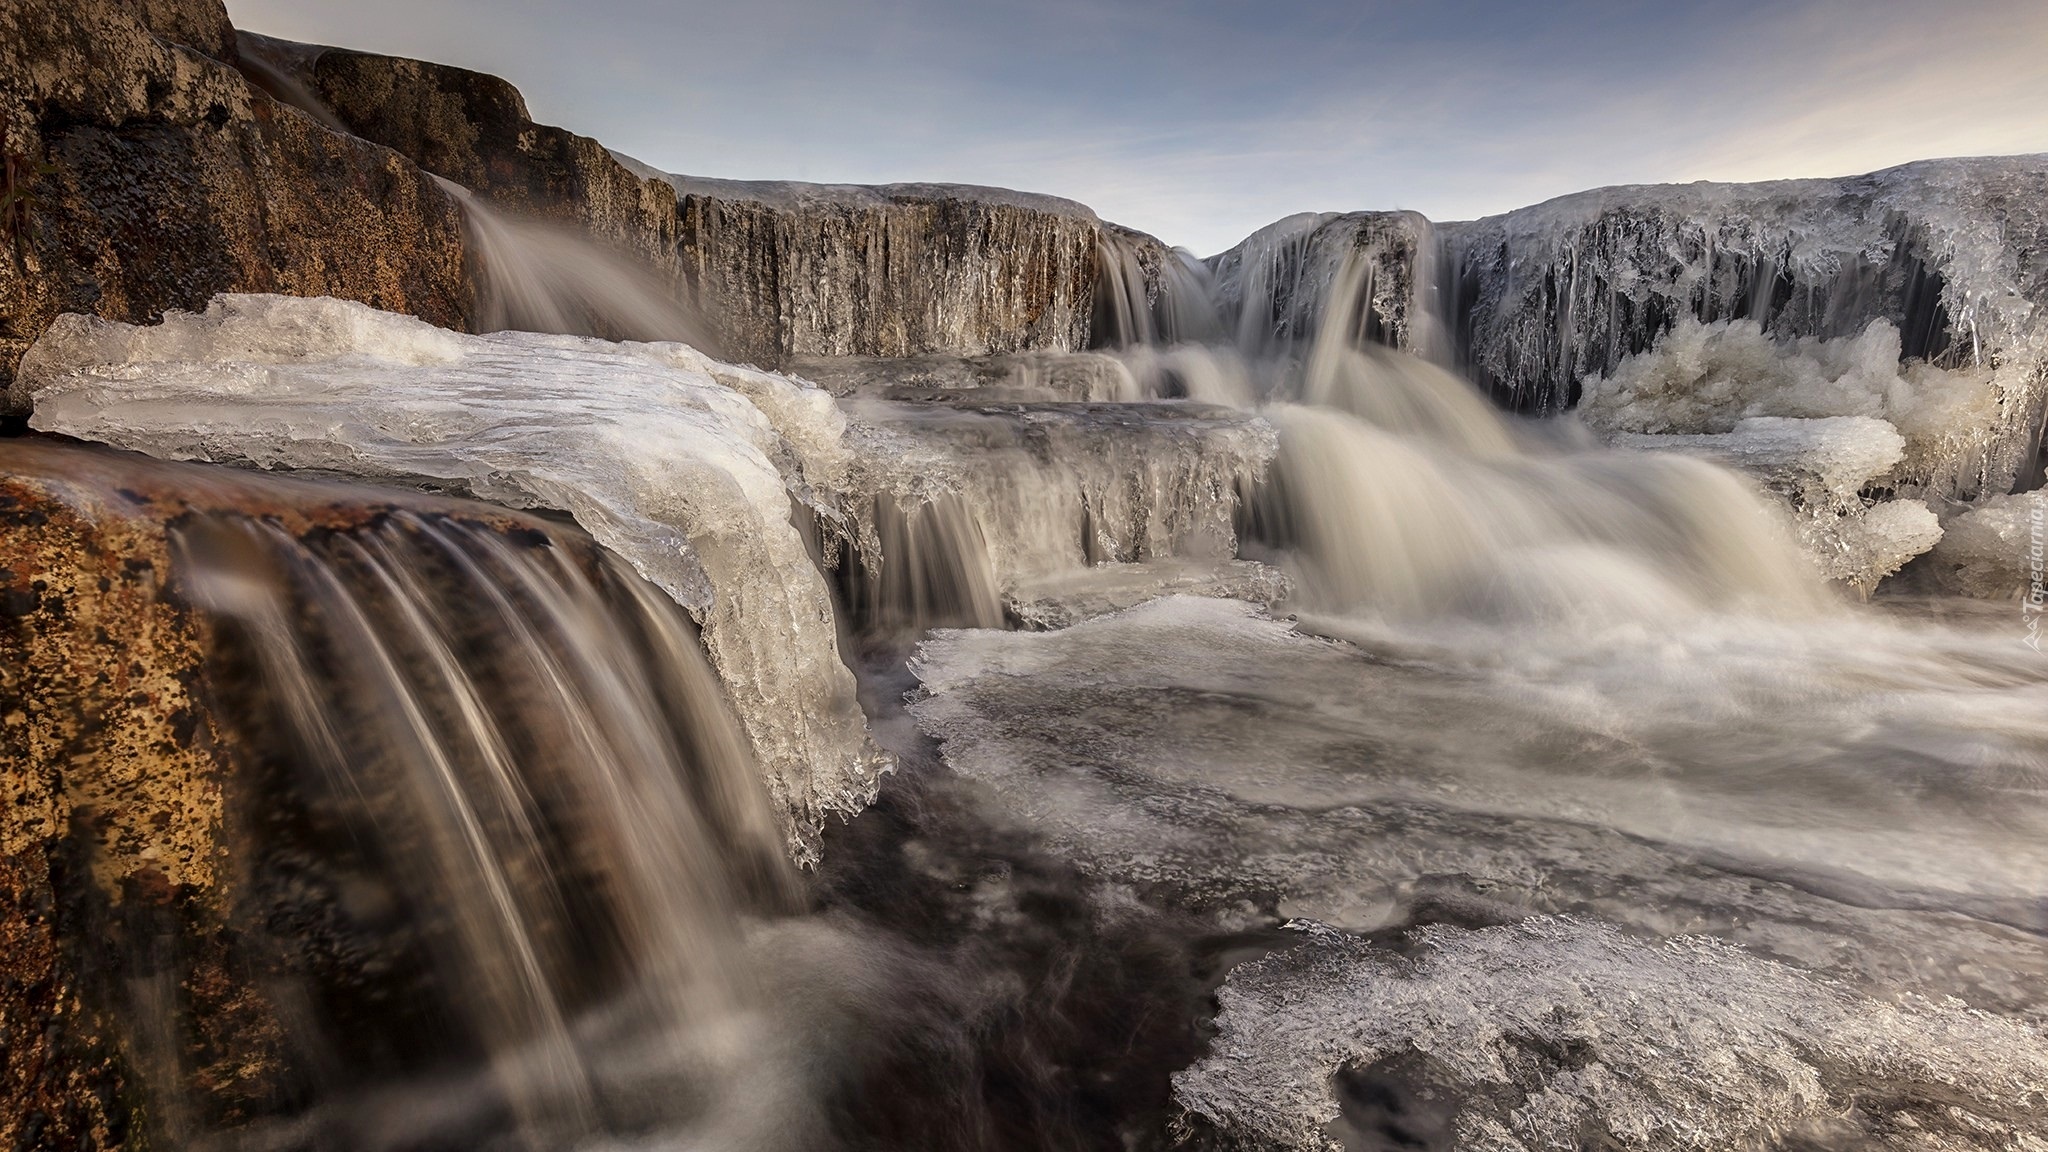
(1201, 122)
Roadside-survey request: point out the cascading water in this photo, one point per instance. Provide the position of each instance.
(537, 276)
(525, 750)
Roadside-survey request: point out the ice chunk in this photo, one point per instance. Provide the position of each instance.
(1812, 462)
(1998, 551)
(664, 456)
(1708, 378)
(1017, 376)
(1860, 548)
(1544, 1033)
(1069, 597)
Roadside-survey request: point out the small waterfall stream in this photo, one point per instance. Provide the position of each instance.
(525, 750)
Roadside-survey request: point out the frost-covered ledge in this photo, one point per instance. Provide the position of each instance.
(665, 456)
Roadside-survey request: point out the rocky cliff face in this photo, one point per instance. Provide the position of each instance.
(156, 177)
(777, 270)
(1954, 253)
(474, 129)
(898, 270)
(1272, 287)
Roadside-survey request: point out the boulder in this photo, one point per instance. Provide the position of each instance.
(157, 177)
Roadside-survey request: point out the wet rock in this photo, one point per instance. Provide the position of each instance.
(112, 826)
(1273, 286)
(160, 177)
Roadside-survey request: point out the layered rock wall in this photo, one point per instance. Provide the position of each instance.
(898, 270)
(1954, 253)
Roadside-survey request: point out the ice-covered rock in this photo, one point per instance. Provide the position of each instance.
(1946, 251)
(1053, 488)
(893, 270)
(666, 457)
(1818, 468)
(1273, 287)
(1556, 1033)
(1998, 551)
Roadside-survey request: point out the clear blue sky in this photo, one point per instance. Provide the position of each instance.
(1200, 120)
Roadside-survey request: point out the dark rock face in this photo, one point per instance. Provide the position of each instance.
(159, 178)
(898, 270)
(201, 25)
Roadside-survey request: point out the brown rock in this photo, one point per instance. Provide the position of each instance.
(160, 177)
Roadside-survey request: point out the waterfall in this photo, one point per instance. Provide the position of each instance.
(1146, 294)
(526, 751)
(542, 276)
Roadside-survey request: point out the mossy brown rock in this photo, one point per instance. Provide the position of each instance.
(112, 827)
(158, 177)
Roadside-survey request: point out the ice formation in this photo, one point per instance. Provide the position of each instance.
(1999, 551)
(1556, 1033)
(1040, 490)
(1066, 598)
(1706, 378)
(1554, 295)
(666, 457)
